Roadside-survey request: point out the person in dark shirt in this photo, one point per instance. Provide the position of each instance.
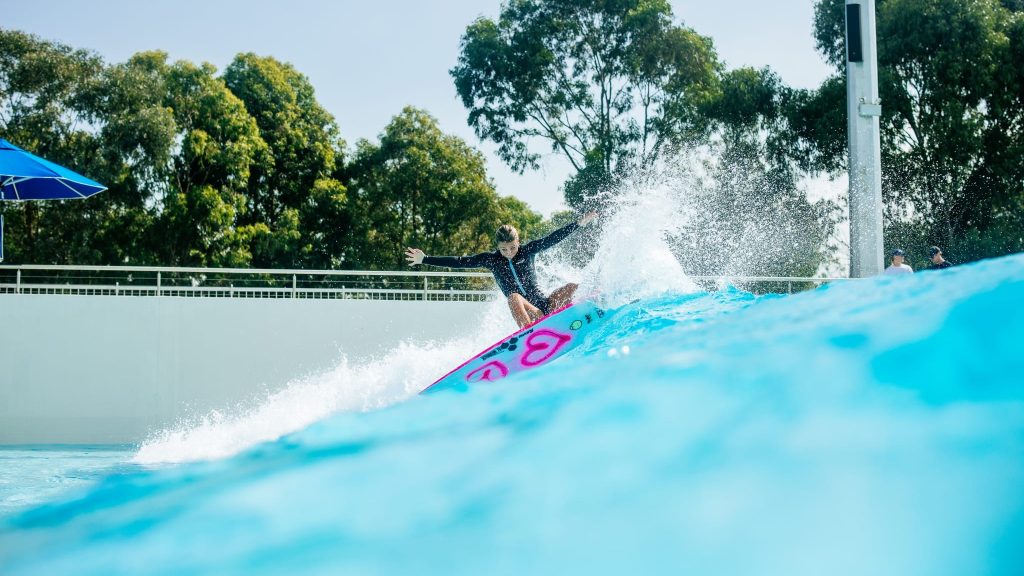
(512, 266)
(938, 262)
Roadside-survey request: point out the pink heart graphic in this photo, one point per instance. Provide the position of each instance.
(541, 346)
(486, 373)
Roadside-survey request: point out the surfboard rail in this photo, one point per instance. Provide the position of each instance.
(535, 345)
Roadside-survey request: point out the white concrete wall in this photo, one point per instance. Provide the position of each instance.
(101, 369)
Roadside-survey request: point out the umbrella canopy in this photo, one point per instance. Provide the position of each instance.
(25, 176)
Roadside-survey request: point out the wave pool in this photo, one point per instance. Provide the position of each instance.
(866, 427)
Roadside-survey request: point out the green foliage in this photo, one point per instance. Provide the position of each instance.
(953, 118)
(326, 224)
(40, 111)
(817, 126)
(248, 169)
(220, 143)
(419, 187)
(305, 153)
(244, 169)
(606, 85)
(747, 99)
(185, 162)
(614, 87)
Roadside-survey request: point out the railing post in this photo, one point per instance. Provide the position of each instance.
(294, 288)
(790, 285)
(159, 280)
(17, 287)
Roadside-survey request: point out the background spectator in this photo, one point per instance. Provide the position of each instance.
(938, 262)
(898, 266)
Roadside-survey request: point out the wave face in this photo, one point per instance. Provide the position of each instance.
(868, 427)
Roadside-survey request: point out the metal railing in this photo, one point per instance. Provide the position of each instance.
(245, 283)
(310, 284)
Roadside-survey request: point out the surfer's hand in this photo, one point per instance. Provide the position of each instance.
(587, 218)
(414, 256)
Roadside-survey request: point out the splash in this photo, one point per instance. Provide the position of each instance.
(369, 384)
(659, 224)
(727, 211)
(633, 259)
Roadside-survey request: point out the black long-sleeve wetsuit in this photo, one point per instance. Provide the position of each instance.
(515, 275)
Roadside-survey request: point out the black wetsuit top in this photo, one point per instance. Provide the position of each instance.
(515, 275)
(940, 266)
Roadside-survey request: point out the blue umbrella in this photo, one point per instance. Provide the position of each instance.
(25, 176)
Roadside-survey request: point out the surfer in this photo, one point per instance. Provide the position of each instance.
(512, 266)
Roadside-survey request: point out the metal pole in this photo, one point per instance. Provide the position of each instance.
(424, 287)
(17, 288)
(865, 160)
(158, 280)
(294, 290)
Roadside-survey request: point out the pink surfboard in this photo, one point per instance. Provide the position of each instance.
(536, 345)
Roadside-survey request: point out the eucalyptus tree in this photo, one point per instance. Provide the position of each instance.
(40, 110)
(297, 193)
(420, 187)
(218, 147)
(172, 143)
(136, 134)
(606, 85)
(953, 119)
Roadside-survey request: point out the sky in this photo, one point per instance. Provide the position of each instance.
(369, 59)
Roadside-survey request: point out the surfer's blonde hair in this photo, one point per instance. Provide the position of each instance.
(507, 233)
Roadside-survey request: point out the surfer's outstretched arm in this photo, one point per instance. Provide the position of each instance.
(560, 234)
(416, 256)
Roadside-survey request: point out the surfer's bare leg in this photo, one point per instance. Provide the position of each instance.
(562, 296)
(523, 312)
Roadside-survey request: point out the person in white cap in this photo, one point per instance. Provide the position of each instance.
(898, 266)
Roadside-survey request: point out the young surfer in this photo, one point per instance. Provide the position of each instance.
(512, 266)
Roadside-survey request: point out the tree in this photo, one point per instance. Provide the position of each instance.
(325, 222)
(239, 170)
(173, 145)
(606, 85)
(289, 194)
(420, 187)
(953, 119)
(136, 138)
(220, 144)
(39, 111)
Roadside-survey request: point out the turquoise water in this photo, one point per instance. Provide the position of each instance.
(33, 475)
(869, 427)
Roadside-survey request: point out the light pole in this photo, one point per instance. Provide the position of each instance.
(865, 162)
